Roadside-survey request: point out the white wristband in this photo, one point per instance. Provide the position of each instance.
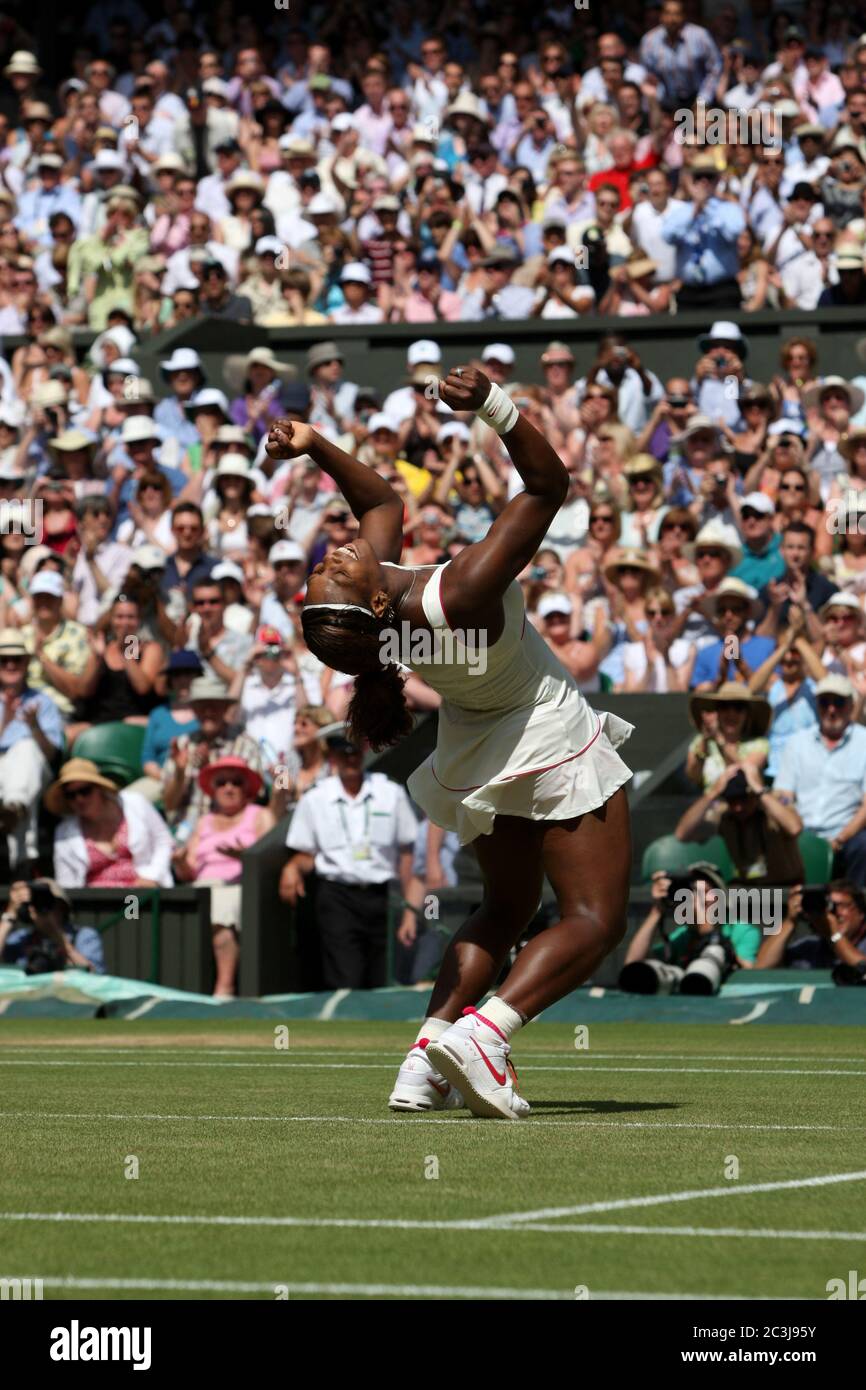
(499, 411)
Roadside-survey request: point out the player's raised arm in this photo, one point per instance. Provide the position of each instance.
(374, 502)
(482, 572)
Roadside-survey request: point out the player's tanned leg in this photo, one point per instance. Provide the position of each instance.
(587, 861)
(511, 862)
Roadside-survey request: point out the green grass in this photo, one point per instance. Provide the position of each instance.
(607, 1125)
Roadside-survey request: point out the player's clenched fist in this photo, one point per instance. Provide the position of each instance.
(289, 438)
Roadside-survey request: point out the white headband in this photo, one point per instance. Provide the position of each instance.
(308, 607)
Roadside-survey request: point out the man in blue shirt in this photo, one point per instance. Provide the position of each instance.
(823, 771)
(762, 549)
(37, 205)
(31, 735)
(683, 57)
(736, 655)
(704, 230)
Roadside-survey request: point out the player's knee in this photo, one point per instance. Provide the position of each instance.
(606, 926)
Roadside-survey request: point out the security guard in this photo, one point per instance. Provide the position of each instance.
(358, 831)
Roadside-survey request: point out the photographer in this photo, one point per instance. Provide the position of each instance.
(682, 945)
(837, 917)
(37, 931)
(759, 831)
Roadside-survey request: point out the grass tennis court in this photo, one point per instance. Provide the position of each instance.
(266, 1173)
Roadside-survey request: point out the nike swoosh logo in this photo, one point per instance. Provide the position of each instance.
(442, 1088)
(499, 1079)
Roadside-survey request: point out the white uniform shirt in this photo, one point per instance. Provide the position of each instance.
(355, 840)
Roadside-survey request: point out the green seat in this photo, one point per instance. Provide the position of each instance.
(817, 857)
(674, 856)
(115, 748)
(605, 681)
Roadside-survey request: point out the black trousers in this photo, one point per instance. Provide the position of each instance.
(725, 294)
(353, 934)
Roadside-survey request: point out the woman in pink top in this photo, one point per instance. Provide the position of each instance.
(213, 852)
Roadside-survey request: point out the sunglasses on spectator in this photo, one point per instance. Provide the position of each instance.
(676, 526)
(229, 782)
(832, 701)
(840, 618)
(659, 612)
(748, 514)
(602, 516)
(74, 793)
(341, 517)
(725, 606)
(13, 660)
(207, 602)
(792, 487)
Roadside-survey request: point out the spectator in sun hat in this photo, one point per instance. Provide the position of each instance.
(333, 398)
(823, 773)
(238, 616)
(762, 560)
(288, 560)
(216, 737)
(844, 630)
(175, 716)
(185, 375)
(355, 283)
(759, 829)
(30, 739)
(732, 724)
(44, 936)
(93, 814)
(423, 359)
(499, 298)
(257, 381)
(427, 301)
(58, 646)
(213, 854)
(731, 606)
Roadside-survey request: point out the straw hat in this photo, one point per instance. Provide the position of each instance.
(629, 558)
(639, 465)
(237, 366)
(717, 535)
(856, 397)
(230, 764)
(736, 587)
(847, 445)
(733, 692)
(76, 770)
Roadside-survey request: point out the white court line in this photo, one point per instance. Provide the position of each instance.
(380, 1290)
(458, 1121)
(667, 1198)
(397, 1054)
(383, 1066)
(744, 1233)
(484, 1226)
(332, 1004)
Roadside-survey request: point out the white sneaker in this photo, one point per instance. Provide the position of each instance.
(474, 1055)
(420, 1087)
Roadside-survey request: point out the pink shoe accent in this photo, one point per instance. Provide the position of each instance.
(488, 1022)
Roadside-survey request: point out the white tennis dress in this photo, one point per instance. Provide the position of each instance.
(516, 738)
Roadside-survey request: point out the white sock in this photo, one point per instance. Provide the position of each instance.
(432, 1028)
(502, 1016)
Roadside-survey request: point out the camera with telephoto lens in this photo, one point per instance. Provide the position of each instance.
(708, 970)
(711, 959)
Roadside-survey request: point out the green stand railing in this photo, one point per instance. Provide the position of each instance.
(147, 898)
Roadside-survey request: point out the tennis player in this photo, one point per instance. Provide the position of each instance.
(524, 769)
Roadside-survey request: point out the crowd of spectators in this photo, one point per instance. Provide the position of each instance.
(422, 167)
(430, 163)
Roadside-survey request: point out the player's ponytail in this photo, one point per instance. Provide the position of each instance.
(349, 641)
(378, 712)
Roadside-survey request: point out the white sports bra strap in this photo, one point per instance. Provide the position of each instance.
(430, 600)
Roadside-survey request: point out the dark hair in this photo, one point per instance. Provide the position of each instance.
(855, 893)
(799, 528)
(348, 641)
(187, 507)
